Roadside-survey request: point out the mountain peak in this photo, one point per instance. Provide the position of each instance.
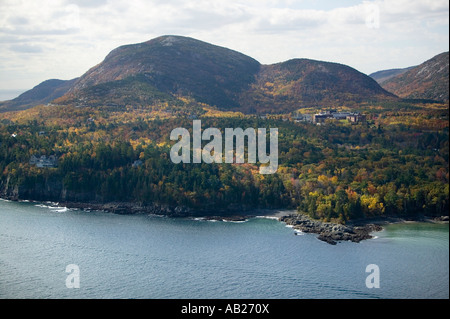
(169, 40)
(177, 65)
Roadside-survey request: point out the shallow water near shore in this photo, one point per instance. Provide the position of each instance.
(141, 256)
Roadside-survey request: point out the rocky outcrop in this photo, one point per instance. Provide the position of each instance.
(330, 232)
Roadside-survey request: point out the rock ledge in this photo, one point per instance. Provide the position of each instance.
(330, 232)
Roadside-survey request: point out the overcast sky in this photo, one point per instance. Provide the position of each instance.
(62, 39)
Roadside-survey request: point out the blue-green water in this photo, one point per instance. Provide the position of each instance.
(140, 256)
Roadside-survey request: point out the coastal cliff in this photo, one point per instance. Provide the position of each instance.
(54, 190)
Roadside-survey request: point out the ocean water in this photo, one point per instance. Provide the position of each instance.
(141, 256)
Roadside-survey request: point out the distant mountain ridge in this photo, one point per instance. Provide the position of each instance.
(429, 80)
(169, 67)
(384, 75)
(42, 93)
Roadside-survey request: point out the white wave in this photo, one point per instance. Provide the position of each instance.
(268, 217)
(53, 208)
(43, 206)
(61, 209)
(52, 203)
(235, 221)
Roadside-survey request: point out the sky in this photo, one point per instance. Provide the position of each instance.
(62, 39)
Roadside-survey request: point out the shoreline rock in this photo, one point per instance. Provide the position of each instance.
(330, 233)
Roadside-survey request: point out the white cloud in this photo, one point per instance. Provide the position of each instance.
(39, 17)
(25, 48)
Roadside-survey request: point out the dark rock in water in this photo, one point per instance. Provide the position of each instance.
(327, 239)
(330, 232)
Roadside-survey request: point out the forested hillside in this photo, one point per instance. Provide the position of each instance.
(395, 163)
(428, 80)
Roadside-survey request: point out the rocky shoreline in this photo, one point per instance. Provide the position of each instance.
(328, 232)
(129, 208)
(355, 231)
(331, 233)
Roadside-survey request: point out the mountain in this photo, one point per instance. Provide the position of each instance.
(43, 93)
(301, 83)
(167, 68)
(384, 75)
(428, 80)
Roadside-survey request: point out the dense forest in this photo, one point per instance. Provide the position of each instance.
(396, 163)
